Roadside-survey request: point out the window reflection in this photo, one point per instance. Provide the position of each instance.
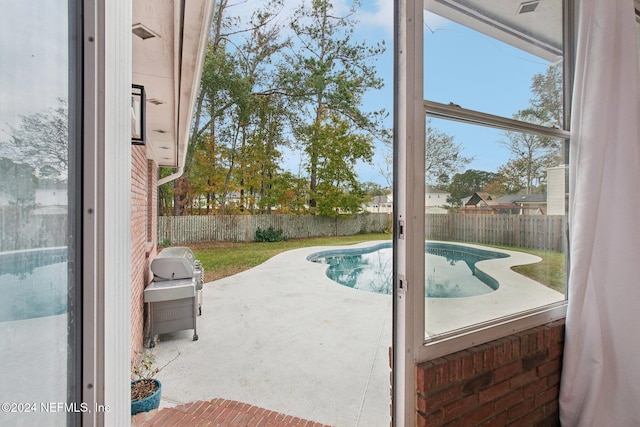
(34, 229)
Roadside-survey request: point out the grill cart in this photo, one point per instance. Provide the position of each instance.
(174, 297)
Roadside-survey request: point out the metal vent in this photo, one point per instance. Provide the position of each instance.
(529, 6)
(143, 32)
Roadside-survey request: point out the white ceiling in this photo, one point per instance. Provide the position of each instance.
(538, 32)
(169, 67)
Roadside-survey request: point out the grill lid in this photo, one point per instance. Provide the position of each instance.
(173, 263)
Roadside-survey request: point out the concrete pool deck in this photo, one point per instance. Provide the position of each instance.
(285, 337)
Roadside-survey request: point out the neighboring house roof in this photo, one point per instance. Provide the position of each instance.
(482, 198)
(524, 198)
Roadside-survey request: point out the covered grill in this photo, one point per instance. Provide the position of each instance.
(174, 297)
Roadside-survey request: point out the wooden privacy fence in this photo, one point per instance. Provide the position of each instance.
(524, 231)
(23, 229)
(242, 228)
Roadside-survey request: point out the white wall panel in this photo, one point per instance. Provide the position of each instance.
(117, 211)
(107, 210)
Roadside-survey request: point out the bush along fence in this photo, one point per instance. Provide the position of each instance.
(242, 228)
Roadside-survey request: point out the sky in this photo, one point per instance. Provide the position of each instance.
(461, 66)
(376, 25)
(34, 78)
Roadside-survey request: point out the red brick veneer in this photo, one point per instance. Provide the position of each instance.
(143, 236)
(511, 381)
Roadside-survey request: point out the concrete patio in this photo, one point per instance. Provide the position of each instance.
(284, 337)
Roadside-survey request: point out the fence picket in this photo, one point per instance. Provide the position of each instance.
(242, 228)
(527, 231)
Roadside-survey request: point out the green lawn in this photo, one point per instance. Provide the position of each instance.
(222, 259)
(550, 271)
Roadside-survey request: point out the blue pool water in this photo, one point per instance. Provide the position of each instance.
(450, 270)
(33, 284)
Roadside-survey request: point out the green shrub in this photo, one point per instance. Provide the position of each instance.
(269, 235)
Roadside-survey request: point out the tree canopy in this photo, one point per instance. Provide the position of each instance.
(443, 156)
(465, 184)
(326, 73)
(41, 141)
(532, 154)
(268, 88)
(275, 85)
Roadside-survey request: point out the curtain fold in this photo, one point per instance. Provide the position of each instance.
(600, 383)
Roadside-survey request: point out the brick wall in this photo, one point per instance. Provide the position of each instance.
(510, 381)
(143, 236)
(152, 205)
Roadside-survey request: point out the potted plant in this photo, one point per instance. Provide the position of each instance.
(145, 389)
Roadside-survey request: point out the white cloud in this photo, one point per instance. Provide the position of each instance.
(381, 17)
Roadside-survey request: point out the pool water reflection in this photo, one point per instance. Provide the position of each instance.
(450, 270)
(33, 283)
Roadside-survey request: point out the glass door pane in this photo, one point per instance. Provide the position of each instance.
(36, 181)
(495, 201)
(494, 58)
(494, 224)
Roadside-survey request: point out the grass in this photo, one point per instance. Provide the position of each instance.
(550, 271)
(222, 259)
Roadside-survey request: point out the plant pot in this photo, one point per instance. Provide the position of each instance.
(148, 403)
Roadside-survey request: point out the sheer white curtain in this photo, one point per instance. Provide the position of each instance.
(601, 370)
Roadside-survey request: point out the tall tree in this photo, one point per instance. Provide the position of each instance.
(338, 189)
(286, 194)
(531, 153)
(465, 184)
(41, 142)
(547, 96)
(327, 73)
(443, 156)
(231, 96)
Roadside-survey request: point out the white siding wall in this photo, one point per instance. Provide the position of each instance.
(51, 196)
(556, 190)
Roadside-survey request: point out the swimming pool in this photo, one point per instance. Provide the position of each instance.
(33, 283)
(450, 270)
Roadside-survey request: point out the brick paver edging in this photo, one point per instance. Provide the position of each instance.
(218, 413)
